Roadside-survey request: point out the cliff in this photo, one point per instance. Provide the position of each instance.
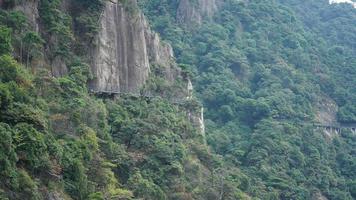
(192, 13)
(123, 52)
(125, 49)
(69, 135)
(65, 44)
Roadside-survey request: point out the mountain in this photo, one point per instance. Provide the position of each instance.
(177, 99)
(270, 75)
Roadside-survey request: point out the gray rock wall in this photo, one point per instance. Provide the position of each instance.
(192, 12)
(125, 49)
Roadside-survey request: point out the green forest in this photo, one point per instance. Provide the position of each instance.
(260, 69)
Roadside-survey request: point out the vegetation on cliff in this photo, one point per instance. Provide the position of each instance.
(259, 68)
(59, 141)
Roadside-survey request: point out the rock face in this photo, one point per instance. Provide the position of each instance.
(192, 12)
(125, 49)
(326, 111)
(196, 117)
(161, 53)
(30, 8)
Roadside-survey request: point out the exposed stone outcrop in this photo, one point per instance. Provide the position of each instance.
(326, 111)
(196, 117)
(125, 49)
(192, 12)
(161, 53)
(30, 8)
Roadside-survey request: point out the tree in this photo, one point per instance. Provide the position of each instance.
(34, 43)
(5, 40)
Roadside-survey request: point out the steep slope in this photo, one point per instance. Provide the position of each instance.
(263, 70)
(63, 139)
(326, 21)
(266, 72)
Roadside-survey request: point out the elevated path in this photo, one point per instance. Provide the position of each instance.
(137, 95)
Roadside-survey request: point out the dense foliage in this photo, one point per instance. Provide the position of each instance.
(261, 69)
(60, 141)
